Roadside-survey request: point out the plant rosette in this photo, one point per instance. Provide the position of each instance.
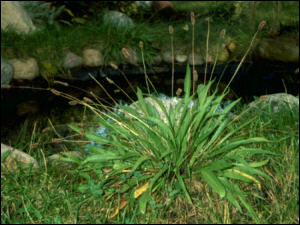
(144, 154)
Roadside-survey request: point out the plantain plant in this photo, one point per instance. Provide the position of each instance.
(143, 155)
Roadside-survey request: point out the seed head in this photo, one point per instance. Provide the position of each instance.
(171, 30)
(141, 44)
(178, 92)
(195, 75)
(125, 53)
(261, 25)
(113, 66)
(73, 102)
(110, 80)
(223, 32)
(193, 18)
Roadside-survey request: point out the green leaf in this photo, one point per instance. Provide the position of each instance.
(143, 200)
(234, 144)
(141, 101)
(229, 194)
(213, 182)
(146, 195)
(259, 164)
(240, 195)
(102, 157)
(182, 185)
(218, 165)
(251, 151)
(140, 161)
(187, 83)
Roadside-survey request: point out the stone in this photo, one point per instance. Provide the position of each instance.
(143, 4)
(25, 69)
(163, 6)
(166, 102)
(198, 59)
(157, 59)
(181, 58)
(92, 57)
(278, 49)
(167, 56)
(118, 20)
(17, 157)
(72, 60)
(277, 102)
(7, 71)
(14, 16)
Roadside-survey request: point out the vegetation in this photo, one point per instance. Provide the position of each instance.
(50, 44)
(200, 166)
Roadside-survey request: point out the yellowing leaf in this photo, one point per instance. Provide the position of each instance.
(79, 20)
(122, 205)
(69, 12)
(248, 176)
(141, 190)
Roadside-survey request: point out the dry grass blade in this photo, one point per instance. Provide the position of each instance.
(138, 192)
(116, 212)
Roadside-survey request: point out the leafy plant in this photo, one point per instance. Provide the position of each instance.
(195, 140)
(42, 12)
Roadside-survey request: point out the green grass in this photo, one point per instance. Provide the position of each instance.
(50, 44)
(50, 194)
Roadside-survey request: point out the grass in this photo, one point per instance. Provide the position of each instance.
(50, 194)
(50, 44)
(85, 194)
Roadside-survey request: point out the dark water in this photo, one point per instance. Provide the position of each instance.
(255, 79)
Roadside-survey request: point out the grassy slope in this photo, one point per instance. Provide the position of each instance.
(49, 195)
(49, 45)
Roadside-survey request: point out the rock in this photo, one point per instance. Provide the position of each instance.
(7, 71)
(117, 20)
(278, 49)
(167, 56)
(72, 60)
(181, 58)
(92, 58)
(163, 6)
(55, 159)
(17, 157)
(143, 4)
(25, 69)
(157, 59)
(14, 16)
(277, 101)
(198, 59)
(167, 103)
